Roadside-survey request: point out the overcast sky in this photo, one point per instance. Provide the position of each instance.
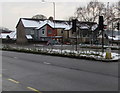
(12, 10)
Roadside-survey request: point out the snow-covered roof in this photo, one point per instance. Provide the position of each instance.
(4, 35)
(53, 25)
(63, 25)
(68, 27)
(84, 27)
(30, 23)
(39, 24)
(94, 27)
(114, 38)
(29, 37)
(12, 35)
(110, 37)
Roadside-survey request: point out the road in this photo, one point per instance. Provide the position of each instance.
(30, 72)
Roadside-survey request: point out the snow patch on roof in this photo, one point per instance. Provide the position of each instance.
(29, 37)
(84, 27)
(114, 38)
(94, 27)
(68, 27)
(13, 34)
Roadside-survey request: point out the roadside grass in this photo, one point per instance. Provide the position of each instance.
(92, 55)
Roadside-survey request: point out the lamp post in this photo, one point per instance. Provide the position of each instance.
(53, 9)
(53, 16)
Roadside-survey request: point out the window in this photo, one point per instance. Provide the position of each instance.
(43, 32)
(49, 31)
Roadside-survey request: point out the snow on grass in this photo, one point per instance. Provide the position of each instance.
(82, 53)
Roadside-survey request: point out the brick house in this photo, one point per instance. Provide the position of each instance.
(44, 30)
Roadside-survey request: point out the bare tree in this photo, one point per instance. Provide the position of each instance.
(113, 11)
(94, 9)
(39, 16)
(91, 12)
(118, 8)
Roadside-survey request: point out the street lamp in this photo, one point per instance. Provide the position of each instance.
(54, 18)
(53, 9)
(53, 12)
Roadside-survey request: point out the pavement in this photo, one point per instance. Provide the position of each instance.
(30, 72)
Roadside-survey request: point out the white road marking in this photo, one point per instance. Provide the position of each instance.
(46, 63)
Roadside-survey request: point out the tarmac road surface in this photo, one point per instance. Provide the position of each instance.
(30, 72)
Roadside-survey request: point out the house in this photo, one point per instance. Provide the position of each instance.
(40, 30)
(8, 37)
(86, 32)
(5, 35)
(44, 30)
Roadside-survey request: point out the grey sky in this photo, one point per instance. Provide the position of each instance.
(13, 10)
